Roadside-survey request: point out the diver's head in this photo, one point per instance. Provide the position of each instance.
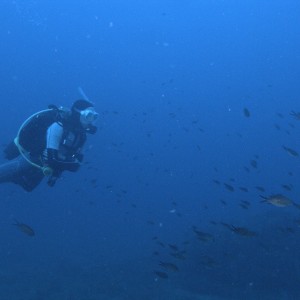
(84, 112)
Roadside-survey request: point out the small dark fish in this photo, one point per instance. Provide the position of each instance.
(240, 230)
(93, 181)
(173, 247)
(244, 206)
(277, 126)
(280, 115)
(161, 244)
(288, 187)
(162, 275)
(228, 226)
(150, 222)
(229, 187)
(296, 205)
(260, 188)
(278, 200)
(186, 242)
(243, 231)
(223, 202)
(291, 151)
(203, 236)
(208, 262)
(253, 163)
(172, 115)
(247, 169)
(169, 266)
(24, 228)
(244, 189)
(295, 114)
(179, 255)
(246, 112)
(246, 202)
(216, 181)
(287, 230)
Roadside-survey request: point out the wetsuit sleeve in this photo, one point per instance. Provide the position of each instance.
(50, 155)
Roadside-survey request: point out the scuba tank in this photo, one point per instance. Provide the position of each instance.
(31, 137)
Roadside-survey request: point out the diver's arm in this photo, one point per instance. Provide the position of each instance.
(54, 136)
(50, 154)
(50, 157)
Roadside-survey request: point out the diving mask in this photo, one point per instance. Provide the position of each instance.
(88, 116)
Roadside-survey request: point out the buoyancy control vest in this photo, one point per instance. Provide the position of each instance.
(31, 137)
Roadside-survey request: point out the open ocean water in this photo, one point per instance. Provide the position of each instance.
(190, 188)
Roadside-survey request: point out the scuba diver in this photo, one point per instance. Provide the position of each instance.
(47, 144)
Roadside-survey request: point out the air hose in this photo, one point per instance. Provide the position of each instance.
(47, 171)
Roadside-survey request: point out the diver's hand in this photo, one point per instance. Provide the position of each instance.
(50, 158)
(51, 181)
(71, 166)
(53, 178)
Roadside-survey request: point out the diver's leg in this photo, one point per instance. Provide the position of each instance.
(9, 170)
(30, 178)
(21, 172)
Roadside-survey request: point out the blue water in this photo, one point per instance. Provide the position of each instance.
(171, 80)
